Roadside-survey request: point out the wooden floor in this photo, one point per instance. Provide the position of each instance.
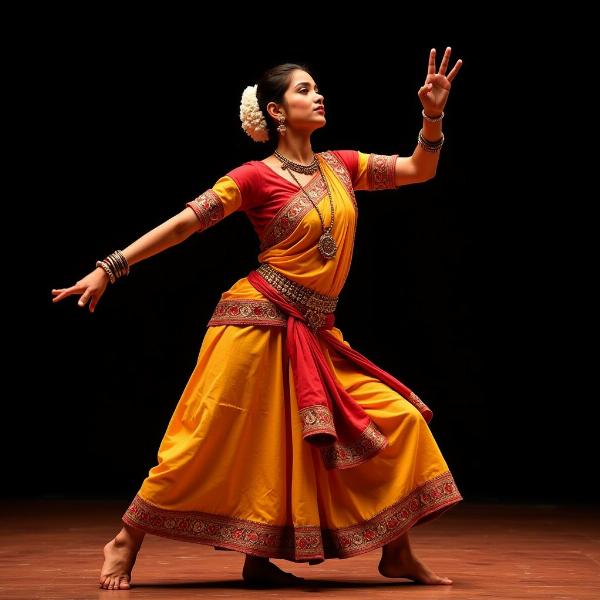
(53, 549)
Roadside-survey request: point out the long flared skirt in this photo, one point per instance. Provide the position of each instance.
(234, 472)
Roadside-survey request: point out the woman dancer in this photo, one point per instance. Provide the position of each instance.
(287, 442)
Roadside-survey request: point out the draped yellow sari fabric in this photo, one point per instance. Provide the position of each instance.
(233, 470)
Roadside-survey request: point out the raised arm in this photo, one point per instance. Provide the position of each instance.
(433, 95)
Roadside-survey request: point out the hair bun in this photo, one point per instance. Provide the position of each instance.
(253, 120)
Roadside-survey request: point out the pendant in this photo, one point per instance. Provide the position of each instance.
(327, 245)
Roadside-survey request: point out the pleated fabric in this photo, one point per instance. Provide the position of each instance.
(233, 469)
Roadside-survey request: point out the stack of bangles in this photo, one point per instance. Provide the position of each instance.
(426, 144)
(115, 265)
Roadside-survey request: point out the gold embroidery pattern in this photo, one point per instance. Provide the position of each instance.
(380, 171)
(339, 168)
(340, 456)
(247, 312)
(417, 402)
(298, 544)
(294, 543)
(435, 495)
(208, 208)
(288, 217)
(316, 419)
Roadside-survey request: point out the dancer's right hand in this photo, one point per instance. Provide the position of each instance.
(91, 288)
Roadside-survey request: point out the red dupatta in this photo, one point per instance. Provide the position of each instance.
(331, 419)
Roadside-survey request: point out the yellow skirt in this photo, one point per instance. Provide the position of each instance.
(234, 471)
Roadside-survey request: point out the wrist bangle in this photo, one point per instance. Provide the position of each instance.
(432, 119)
(104, 266)
(428, 145)
(115, 265)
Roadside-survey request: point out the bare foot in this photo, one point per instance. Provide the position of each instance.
(409, 566)
(119, 557)
(260, 570)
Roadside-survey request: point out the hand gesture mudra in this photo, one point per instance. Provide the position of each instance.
(91, 288)
(433, 94)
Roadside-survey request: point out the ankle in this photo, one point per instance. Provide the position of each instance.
(128, 536)
(397, 548)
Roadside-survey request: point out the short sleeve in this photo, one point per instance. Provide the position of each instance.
(369, 171)
(234, 191)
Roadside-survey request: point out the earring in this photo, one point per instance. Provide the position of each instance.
(281, 127)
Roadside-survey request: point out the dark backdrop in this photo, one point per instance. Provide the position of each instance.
(460, 287)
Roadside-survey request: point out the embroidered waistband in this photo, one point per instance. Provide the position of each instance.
(313, 306)
(244, 311)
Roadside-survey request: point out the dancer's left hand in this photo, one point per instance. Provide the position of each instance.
(433, 94)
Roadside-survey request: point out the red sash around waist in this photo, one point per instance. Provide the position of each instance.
(331, 419)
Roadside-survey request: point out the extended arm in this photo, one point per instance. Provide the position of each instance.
(167, 234)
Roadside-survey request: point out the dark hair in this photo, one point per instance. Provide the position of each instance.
(270, 88)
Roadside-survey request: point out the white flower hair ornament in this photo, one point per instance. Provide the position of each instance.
(253, 120)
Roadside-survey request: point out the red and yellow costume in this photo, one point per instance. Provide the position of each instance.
(287, 442)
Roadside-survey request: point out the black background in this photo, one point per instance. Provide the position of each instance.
(468, 288)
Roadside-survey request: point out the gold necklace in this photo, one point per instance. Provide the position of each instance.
(327, 246)
(294, 166)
